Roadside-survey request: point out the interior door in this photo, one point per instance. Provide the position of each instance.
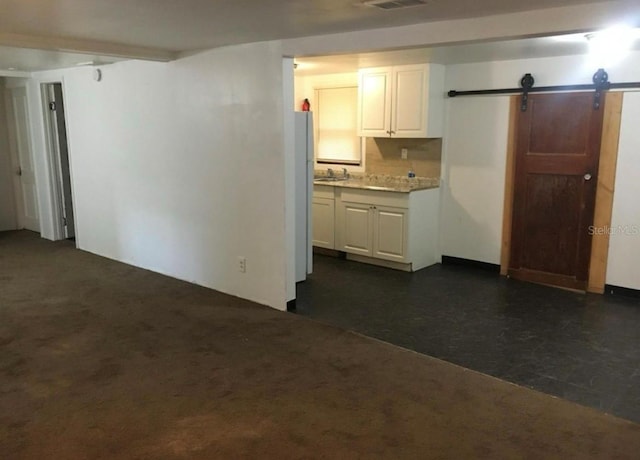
(59, 147)
(22, 158)
(557, 153)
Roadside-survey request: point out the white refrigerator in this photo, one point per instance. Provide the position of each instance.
(304, 193)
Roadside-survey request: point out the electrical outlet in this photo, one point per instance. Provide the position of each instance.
(404, 154)
(242, 264)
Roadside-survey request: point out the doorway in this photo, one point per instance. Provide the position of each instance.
(22, 162)
(56, 131)
(557, 151)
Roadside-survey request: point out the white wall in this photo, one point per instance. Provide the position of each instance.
(179, 167)
(474, 157)
(624, 249)
(8, 219)
(473, 177)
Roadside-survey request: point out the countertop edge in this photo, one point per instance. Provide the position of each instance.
(375, 188)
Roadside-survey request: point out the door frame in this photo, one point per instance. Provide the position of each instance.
(604, 190)
(53, 160)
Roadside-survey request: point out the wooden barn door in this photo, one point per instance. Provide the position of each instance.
(557, 153)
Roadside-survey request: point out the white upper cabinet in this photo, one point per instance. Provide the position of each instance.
(374, 102)
(401, 101)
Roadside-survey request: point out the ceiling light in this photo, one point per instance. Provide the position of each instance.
(609, 46)
(614, 38)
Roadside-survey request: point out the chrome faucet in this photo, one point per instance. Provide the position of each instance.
(345, 173)
(330, 172)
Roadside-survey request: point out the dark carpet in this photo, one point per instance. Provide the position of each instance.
(102, 360)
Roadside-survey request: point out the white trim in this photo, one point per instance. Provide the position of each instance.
(288, 139)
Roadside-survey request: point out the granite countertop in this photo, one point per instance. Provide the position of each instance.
(400, 184)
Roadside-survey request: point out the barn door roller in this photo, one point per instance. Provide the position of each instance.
(601, 82)
(527, 83)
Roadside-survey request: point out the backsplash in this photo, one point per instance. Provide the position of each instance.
(424, 157)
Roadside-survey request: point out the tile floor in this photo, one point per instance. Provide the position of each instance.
(584, 348)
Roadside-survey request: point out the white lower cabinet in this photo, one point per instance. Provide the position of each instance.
(358, 228)
(373, 230)
(390, 233)
(398, 230)
(323, 222)
(323, 217)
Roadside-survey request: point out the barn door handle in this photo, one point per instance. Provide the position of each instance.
(19, 171)
(587, 176)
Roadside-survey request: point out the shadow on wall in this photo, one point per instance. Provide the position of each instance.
(384, 157)
(464, 235)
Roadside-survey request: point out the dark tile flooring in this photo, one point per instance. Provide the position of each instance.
(584, 348)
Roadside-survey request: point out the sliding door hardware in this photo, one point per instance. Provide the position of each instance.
(600, 84)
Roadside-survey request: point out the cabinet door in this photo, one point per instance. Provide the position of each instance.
(409, 101)
(323, 223)
(357, 231)
(390, 233)
(374, 102)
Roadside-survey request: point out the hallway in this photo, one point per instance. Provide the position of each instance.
(584, 348)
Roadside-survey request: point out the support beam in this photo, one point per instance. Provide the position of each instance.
(74, 45)
(14, 73)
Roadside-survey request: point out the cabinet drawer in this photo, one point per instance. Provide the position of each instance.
(375, 197)
(323, 191)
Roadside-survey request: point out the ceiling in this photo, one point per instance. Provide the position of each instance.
(563, 45)
(160, 29)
